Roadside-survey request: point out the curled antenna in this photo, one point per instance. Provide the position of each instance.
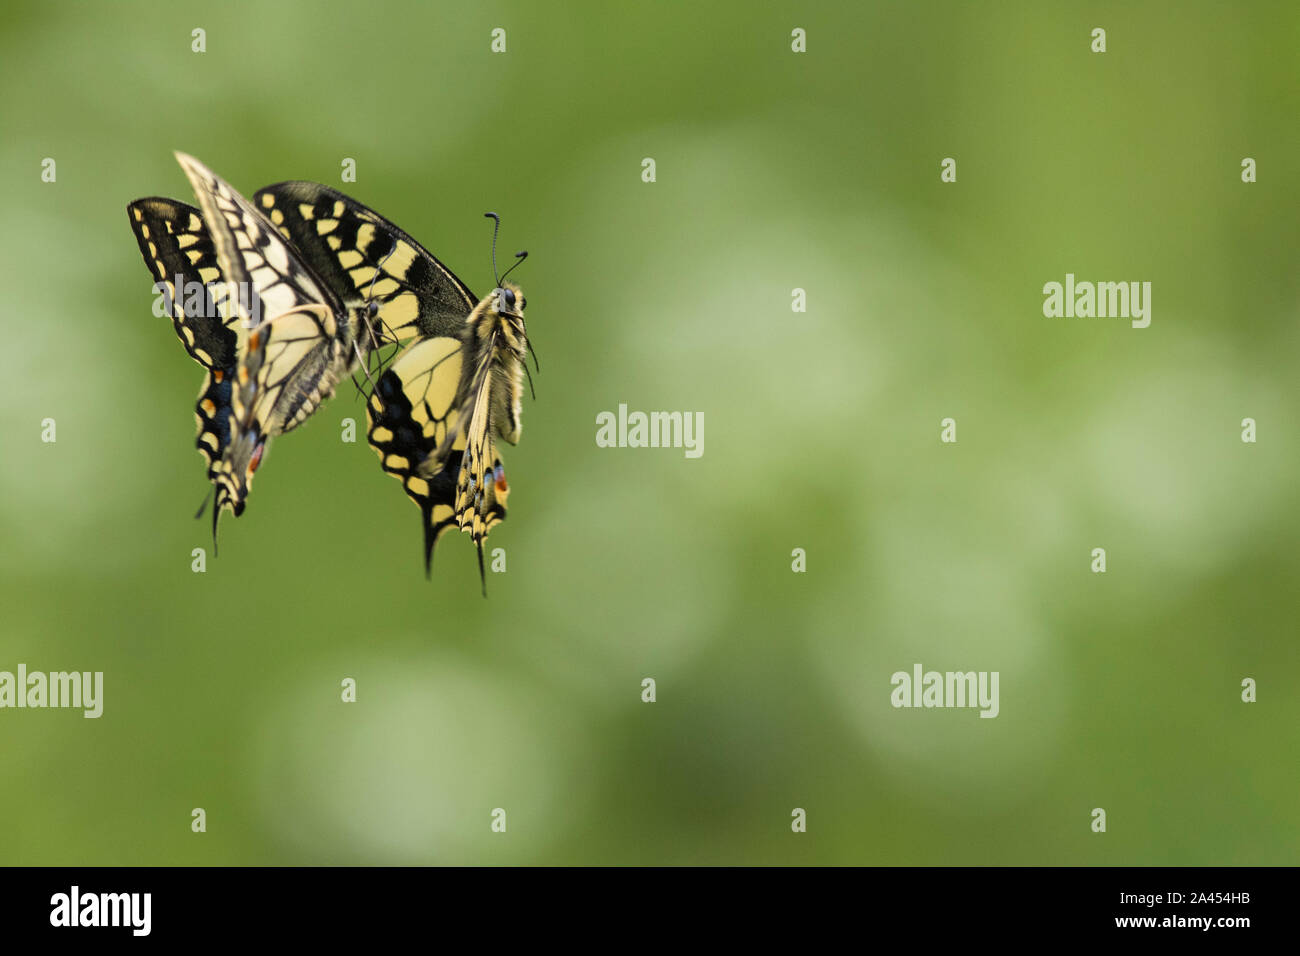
(520, 256)
(495, 229)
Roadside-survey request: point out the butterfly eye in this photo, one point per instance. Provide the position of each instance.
(508, 297)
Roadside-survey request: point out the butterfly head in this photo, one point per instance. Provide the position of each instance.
(508, 300)
(502, 314)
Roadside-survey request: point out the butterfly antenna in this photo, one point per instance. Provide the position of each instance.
(520, 256)
(495, 229)
(533, 352)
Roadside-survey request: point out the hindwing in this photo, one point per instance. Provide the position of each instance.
(413, 413)
(481, 486)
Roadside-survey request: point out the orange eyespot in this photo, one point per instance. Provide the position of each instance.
(255, 340)
(256, 459)
(502, 487)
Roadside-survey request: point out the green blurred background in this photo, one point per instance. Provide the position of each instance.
(775, 170)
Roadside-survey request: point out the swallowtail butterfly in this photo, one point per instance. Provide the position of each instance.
(294, 338)
(309, 283)
(454, 386)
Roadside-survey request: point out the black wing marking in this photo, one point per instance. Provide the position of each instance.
(364, 257)
(413, 413)
(300, 342)
(251, 251)
(181, 256)
(480, 479)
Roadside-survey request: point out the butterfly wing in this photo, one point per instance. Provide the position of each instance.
(252, 253)
(180, 253)
(430, 425)
(301, 340)
(365, 258)
(413, 414)
(418, 401)
(421, 400)
(481, 486)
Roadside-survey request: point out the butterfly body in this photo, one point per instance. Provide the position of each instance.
(492, 370)
(498, 335)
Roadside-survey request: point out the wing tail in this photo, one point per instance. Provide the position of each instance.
(481, 576)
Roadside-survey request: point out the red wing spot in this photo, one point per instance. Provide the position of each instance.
(502, 487)
(256, 459)
(218, 376)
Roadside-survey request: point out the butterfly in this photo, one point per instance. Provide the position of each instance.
(435, 414)
(332, 282)
(294, 337)
(455, 383)
(420, 305)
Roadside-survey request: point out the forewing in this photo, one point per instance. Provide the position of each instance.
(252, 253)
(364, 257)
(182, 258)
(176, 245)
(299, 344)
